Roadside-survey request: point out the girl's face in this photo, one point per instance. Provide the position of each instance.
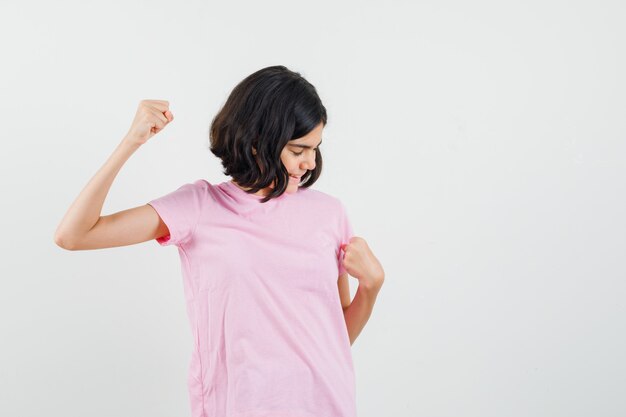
(298, 156)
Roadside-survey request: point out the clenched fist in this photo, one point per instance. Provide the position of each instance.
(151, 117)
(361, 263)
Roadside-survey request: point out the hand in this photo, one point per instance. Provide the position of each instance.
(151, 117)
(361, 263)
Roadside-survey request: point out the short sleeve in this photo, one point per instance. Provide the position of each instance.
(180, 211)
(345, 233)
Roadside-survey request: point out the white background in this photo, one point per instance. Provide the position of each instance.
(478, 147)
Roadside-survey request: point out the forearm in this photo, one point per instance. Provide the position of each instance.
(86, 209)
(360, 309)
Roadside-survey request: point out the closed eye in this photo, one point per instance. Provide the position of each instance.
(299, 145)
(300, 153)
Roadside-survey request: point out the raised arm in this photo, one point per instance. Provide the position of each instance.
(83, 227)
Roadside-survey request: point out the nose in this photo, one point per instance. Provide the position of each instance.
(309, 163)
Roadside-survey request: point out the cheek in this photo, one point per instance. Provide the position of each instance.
(290, 162)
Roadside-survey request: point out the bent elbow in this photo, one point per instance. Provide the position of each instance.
(63, 242)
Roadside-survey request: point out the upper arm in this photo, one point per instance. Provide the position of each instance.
(344, 290)
(126, 227)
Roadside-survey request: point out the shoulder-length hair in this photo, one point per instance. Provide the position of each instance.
(264, 111)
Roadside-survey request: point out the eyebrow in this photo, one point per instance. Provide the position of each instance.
(304, 146)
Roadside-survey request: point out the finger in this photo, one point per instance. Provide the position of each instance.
(160, 116)
(160, 105)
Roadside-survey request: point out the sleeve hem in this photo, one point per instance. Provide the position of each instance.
(173, 238)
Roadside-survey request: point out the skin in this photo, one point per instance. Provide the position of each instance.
(297, 158)
(360, 262)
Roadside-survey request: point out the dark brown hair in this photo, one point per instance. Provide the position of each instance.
(266, 110)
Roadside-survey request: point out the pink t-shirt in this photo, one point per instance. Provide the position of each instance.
(260, 283)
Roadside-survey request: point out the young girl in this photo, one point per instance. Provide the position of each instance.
(265, 280)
